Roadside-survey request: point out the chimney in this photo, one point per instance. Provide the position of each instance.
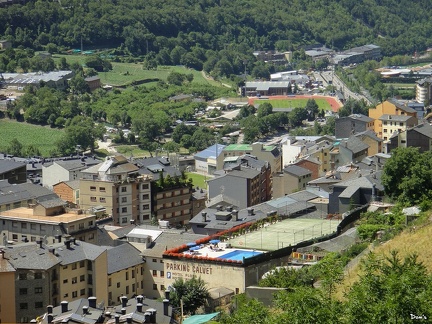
(129, 320)
(152, 312)
(117, 318)
(58, 237)
(64, 306)
(50, 318)
(167, 293)
(74, 241)
(235, 215)
(40, 242)
(124, 300)
(165, 306)
(50, 309)
(250, 211)
(85, 309)
(52, 250)
(204, 216)
(140, 299)
(229, 208)
(68, 244)
(147, 316)
(139, 307)
(123, 311)
(92, 302)
(2, 254)
(132, 221)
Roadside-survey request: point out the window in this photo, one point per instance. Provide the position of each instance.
(92, 198)
(133, 273)
(401, 124)
(38, 304)
(102, 189)
(124, 209)
(81, 226)
(154, 287)
(123, 189)
(118, 284)
(154, 260)
(22, 276)
(146, 207)
(90, 223)
(74, 294)
(82, 292)
(65, 281)
(124, 220)
(82, 264)
(42, 228)
(145, 186)
(74, 266)
(92, 188)
(82, 278)
(38, 275)
(14, 224)
(161, 261)
(154, 273)
(145, 197)
(91, 236)
(385, 130)
(23, 225)
(109, 282)
(162, 287)
(127, 290)
(102, 199)
(33, 238)
(15, 237)
(133, 287)
(33, 226)
(38, 290)
(127, 275)
(124, 199)
(89, 265)
(23, 306)
(162, 274)
(74, 280)
(23, 291)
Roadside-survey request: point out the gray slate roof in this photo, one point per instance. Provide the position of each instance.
(122, 257)
(77, 252)
(30, 256)
(297, 170)
(10, 165)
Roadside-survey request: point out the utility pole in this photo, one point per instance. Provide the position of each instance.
(181, 310)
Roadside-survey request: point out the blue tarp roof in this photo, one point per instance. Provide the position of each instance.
(212, 151)
(198, 319)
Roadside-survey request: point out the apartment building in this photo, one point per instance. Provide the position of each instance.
(70, 169)
(13, 172)
(424, 91)
(116, 185)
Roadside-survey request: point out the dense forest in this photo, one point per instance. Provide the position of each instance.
(218, 34)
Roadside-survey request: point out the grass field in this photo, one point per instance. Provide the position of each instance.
(401, 85)
(134, 150)
(295, 102)
(125, 73)
(285, 233)
(44, 138)
(198, 180)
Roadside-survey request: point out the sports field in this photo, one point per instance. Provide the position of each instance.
(323, 102)
(282, 234)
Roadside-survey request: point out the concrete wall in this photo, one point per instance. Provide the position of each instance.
(264, 295)
(7, 295)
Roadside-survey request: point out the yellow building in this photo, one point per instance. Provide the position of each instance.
(83, 270)
(394, 124)
(7, 291)
(389, 107)
(125, 273)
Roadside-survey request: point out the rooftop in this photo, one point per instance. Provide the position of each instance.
(26, 214)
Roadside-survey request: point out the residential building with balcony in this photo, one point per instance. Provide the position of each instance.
(392, 124)
(116, 185)
(424, 91)
(353, 124)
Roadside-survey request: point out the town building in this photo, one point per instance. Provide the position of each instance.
(248, 182)
(117, 186)
(375, 144)
(293, 178)
(4, 43)
(268, 88)
(392, 124)
(348, 151)
(66, 169)
(419, 136)
(68, 191)
(269, 153)
(275, 57)
(424, 91)
(358, 55)
(54, 79)
(389, 107)
(206, 160)
(93, 82)
(353, 124)
(13, 172)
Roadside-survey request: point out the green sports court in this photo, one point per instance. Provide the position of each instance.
(284, 233)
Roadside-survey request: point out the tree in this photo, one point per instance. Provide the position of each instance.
(78, 85)
(15, 148)
(264, 109)
(389, 290)
(312, 108)
(248, 311)
(193, 293)
(405, 172)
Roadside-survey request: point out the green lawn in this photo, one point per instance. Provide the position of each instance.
(134, 150)
(295, 102)
(198, 180)
(401, 85)
(43, 137)
(125, 73)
